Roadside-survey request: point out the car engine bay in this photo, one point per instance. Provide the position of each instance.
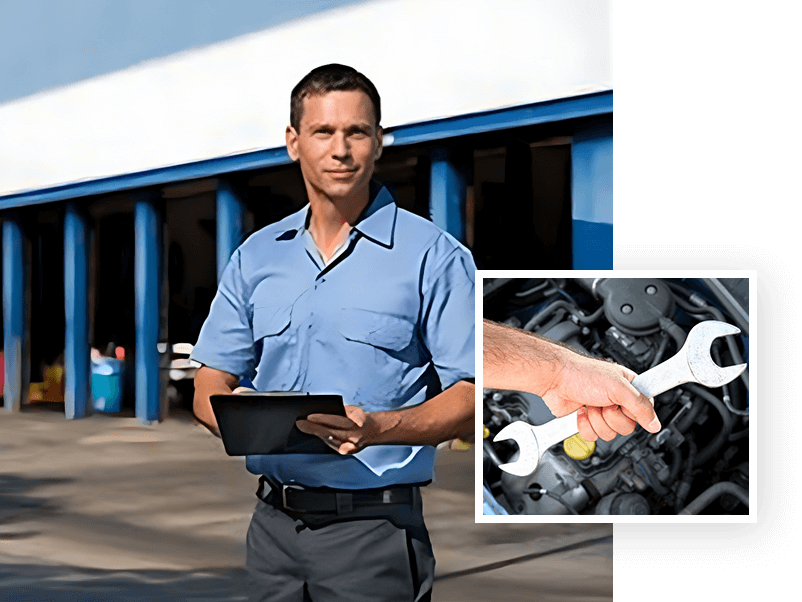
(697, 464)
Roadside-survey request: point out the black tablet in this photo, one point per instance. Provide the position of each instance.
(264, 423)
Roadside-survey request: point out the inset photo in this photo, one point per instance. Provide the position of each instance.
(615, 396)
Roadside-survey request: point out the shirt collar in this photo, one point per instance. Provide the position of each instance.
(376, 223)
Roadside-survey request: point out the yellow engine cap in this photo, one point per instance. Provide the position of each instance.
(577, 448)
(485, 432)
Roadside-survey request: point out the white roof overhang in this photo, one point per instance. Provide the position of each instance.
(429, 59)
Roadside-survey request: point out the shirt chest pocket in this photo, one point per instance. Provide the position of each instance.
(389, 332)
(271, 321)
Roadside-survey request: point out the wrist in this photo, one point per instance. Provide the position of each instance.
(380, 428)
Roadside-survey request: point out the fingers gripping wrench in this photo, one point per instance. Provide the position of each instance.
(691, 364)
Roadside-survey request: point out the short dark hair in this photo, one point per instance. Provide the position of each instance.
(330, 78)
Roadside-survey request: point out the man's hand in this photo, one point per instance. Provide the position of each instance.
(346, 434)
(606, 403)
(445, 416)
(600, 392)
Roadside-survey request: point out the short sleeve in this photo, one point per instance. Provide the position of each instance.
(448, 314)
(226, 338)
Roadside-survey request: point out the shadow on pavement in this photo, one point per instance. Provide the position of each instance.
(35, 582)
(17, 505)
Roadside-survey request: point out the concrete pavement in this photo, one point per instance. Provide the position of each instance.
(105, 508)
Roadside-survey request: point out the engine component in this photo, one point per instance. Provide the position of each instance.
(577, 448)
(634, 305)
(704, 440)
(623, 503)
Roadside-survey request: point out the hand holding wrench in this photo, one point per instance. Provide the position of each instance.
(691, 364)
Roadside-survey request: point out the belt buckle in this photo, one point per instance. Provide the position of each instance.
(284, 503)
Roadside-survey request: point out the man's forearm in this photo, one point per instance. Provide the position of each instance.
(519, 360)
(208, 382)
(449, 415)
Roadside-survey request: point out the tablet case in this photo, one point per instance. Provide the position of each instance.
(257, 424)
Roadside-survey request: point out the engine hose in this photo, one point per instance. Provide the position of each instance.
(721, 438)
(544, 313)
(661, 351)
(725, 389)
(684, 486)
(713, 493)
(686, 305)
(676, 463)
(561, 304)
(739, 316)
(557, 319)
(674, 331)
(530, 295)
(684, 423)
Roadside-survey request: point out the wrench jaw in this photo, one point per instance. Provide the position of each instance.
(529, 455)
(699, 343)
(726, 375)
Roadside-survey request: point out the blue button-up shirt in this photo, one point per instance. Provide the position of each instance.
(388, 324)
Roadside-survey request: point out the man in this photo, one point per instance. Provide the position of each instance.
(600, 392)
(357, 297)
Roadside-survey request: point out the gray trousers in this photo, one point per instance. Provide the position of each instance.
(383, 556)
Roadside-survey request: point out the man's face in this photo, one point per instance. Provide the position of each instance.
(337, 145)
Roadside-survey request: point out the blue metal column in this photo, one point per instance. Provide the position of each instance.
(77, 372)
(15, 353)
(592, 197)
(148, 243)
(230, 216)
(447, 196)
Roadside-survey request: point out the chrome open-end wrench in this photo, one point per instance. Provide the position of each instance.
(692, 363)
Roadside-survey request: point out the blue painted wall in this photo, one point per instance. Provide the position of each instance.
(592, 197)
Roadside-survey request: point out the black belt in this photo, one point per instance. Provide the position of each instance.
(297, 499)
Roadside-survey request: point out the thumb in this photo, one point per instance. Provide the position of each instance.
(636, 406)
(355, 414)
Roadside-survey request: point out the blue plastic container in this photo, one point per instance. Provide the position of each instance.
(107, 384)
